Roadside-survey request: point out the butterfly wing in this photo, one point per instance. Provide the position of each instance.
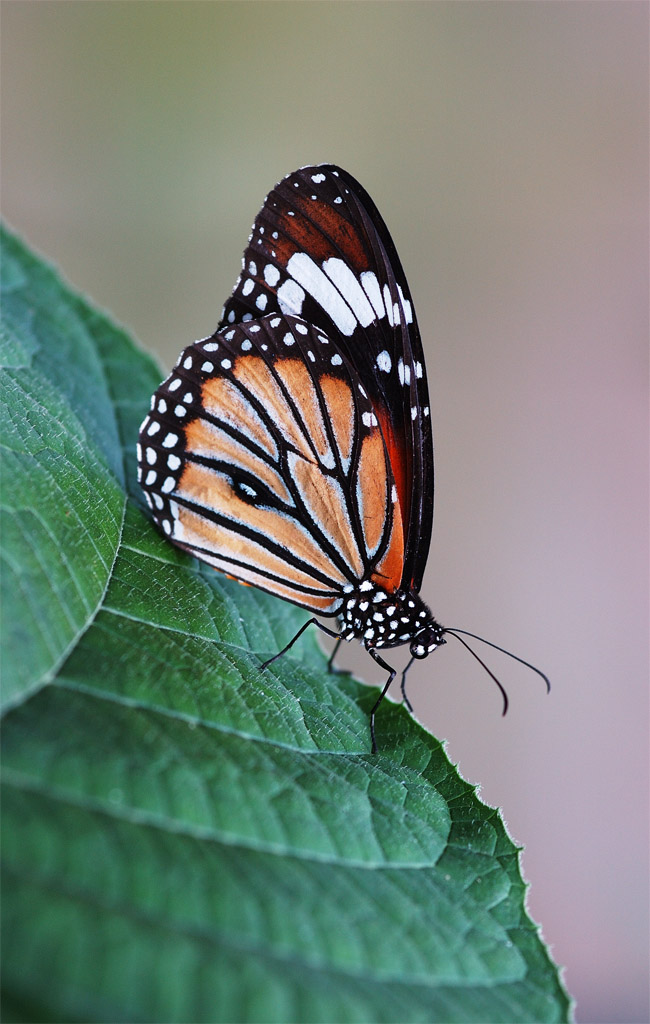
(263, 457)
(320, 250)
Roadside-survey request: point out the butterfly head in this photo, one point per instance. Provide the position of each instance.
(426, 641)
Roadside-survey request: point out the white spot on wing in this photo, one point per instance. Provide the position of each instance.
(370, 285)
(291, 297)
(384, 361)
(303, 270)
(344, 279)
(271, 275)
(406, 306)
(388, 302)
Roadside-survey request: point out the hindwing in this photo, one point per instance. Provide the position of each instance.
(263, 455)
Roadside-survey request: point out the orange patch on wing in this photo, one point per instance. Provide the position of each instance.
(249, 578)
(319, 230)
(224, 543)
(208, 440)
(388, 572)
(296, 377)
(212, 490)
(223, 400)
(340, 409)
(372, 488)
(325, 502)
(254, 374)
(343, 239)
(283, 248)
(397, 459)
(243, 582)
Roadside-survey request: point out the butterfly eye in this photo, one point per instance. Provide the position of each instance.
(427, 640)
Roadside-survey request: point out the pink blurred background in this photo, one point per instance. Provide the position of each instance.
(506, 144)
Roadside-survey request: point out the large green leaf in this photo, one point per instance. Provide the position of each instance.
(185, 837)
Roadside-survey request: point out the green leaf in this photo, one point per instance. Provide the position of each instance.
(186, 837)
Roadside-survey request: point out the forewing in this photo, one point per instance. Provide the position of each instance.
(320, 250)
(263, 457)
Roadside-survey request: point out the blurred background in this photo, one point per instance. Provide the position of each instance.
(506, 146)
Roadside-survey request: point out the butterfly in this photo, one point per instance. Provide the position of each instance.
(292, 449)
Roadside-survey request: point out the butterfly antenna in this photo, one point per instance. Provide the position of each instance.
(522, 661)
(481, 662)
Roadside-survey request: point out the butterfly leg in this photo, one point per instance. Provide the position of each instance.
(331, 667)
(391, 675)
(403, 686)
(309, 622)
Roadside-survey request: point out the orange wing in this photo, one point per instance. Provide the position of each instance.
(263, 456)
